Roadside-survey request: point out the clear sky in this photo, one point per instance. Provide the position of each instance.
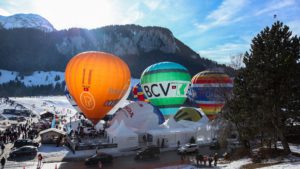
(216, 29)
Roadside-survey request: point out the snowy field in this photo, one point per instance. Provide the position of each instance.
(39, 78)
(59, 104)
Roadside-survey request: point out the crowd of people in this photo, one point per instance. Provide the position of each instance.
(16, 131)
(204, 160)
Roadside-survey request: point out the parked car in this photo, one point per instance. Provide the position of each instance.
(25, 142)
(235, 144)
(148, 152)
(214, 145)
(13, 118)
(21, 119)
(89, 130)
(23, 151)
(188, 148)
(103, 157)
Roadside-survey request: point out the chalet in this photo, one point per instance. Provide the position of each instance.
(52, 135)
(46, 115)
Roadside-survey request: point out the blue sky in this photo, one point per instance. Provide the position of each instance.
(215, 29)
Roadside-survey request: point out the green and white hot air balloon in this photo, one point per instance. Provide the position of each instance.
(166, 85)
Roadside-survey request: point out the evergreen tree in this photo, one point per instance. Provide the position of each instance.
(266, 91)
(57, 78)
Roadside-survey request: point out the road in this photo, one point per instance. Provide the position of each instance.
(168, 158)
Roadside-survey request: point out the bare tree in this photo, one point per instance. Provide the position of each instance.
(236, 61)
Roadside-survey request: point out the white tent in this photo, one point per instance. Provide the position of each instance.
(123, 136)
(202, 127)
(171, 136)
(203, 130)
(204, 134)
(113, 126)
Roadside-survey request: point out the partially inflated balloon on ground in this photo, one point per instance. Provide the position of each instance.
(191, 114)
(97, 81)
(138, 94)
(209, 89)
(165, 84)
(139, 115)
(188, 113)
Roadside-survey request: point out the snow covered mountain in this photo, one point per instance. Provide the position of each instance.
(26, 21)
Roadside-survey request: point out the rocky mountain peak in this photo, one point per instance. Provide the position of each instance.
(26, 21)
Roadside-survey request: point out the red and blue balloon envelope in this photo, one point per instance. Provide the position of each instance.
(138, 94)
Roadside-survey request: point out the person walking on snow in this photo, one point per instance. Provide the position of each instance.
(40, 158)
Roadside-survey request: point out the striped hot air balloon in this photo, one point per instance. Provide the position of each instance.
(165, 84)
(209, 90)
(138, 94)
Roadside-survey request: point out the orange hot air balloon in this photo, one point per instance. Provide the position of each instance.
(97, 81)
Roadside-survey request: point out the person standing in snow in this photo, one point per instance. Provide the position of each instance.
(3, 160)
(2, 148)
(40, 158)
(215, 159)
(210, 160)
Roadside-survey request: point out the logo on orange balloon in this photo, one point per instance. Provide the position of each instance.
(97, 81)
(87, 100)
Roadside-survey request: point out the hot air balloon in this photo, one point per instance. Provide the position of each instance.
(209, 90)
(97, 81)
(138, 94)
(165, 85)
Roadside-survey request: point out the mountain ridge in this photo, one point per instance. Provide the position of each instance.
(36, 58)
(29, 49)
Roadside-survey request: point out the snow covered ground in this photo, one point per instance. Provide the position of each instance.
(239, 163)
(233, 165)
(294, 148)
(290, 165)
(60, 104)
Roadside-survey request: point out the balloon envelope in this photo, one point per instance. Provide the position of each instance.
(139, 115)
(209, 90)
(165, 85)
(138, 94)
(191, 114)
(97, 81)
